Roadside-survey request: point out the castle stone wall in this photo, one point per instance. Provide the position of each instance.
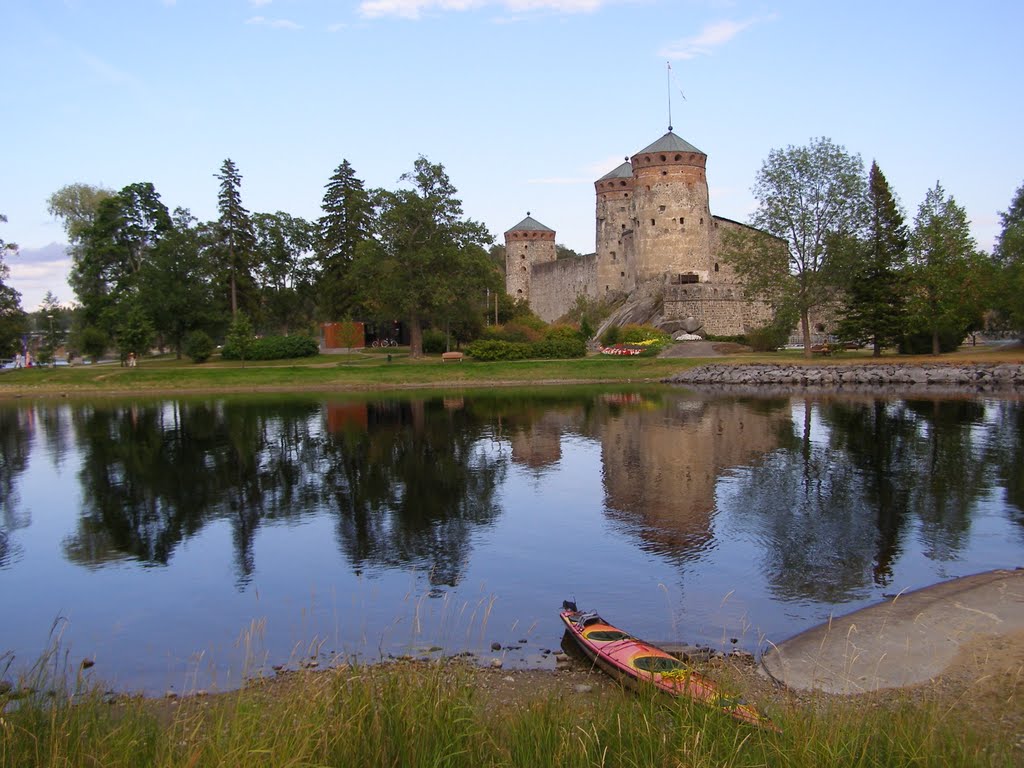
(719, 306)
(554, 285)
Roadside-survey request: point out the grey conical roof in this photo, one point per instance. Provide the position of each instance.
(624, 171)
(529, 224)
(670, 143)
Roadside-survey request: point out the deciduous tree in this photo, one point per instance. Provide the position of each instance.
(424, 255)
(284, 274)
(77, 205)
(114, 249)
(12, 317)
(806, 196)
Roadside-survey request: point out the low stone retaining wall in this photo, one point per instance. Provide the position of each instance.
(978, 378)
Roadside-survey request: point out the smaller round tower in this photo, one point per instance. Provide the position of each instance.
(529, 242)
(616, 271)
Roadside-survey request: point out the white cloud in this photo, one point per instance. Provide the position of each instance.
(708, 39)
(413, 9)
(261, 21)
(34, 271)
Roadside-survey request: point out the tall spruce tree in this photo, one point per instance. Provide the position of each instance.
(875, 291)
(943, 299)
(1009, 256)
(346, 222)
(234, 230)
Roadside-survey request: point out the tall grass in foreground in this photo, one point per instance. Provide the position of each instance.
(439, 715)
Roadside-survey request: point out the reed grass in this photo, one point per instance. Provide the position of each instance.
(415, 714)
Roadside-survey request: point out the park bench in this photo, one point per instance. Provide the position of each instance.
(451, 357)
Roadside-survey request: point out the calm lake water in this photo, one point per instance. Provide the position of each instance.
(186, 543)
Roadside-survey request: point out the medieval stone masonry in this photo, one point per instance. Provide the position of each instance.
(655, 231)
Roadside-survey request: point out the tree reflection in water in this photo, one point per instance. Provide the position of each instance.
(406, 489)
(833, 506)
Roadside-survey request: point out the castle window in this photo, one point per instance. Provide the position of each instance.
(623, 227)
(648, 187)
(622, 208)
(524, 268)
(652, 222)
(622, 274)
(613, 255)
(622, 183)
(625, 194)
(520, 292)
(661, 208)
(606, 288)
(682, 221)
(716, 266)
(663, 158)
(678, 158)
(702, 221)
(664, 173)
(647, 159)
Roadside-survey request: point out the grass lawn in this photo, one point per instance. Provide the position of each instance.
(394, 369)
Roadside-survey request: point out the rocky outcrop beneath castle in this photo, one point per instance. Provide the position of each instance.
(933, 378)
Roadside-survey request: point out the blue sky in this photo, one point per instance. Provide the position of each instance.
(525, 102)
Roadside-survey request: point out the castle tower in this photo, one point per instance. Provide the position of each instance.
(529, 242)
(616, 270)
(672, 220)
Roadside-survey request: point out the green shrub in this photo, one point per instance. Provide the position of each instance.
(434, 342)
(632, 333)
(611, 336)
(562, 331)
(520, 331)
(492, 349)
(199, 346)
(735, 339)
(557, 348)
(93, 342)
(921, 343)
(273, 348)
(767, 339)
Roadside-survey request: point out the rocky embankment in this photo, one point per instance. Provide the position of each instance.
(933, 378)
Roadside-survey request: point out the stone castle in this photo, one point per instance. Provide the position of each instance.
(657, 246)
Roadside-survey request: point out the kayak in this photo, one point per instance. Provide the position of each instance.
(633, 661)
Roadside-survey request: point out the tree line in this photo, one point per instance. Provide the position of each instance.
(843, 249)
(144, 275)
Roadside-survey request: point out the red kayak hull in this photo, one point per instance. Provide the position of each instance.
(639, 663)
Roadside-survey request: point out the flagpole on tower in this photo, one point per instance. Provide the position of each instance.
(668, 88)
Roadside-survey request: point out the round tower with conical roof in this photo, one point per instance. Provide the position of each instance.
(616, 271)
(672, 219)
(529, 242)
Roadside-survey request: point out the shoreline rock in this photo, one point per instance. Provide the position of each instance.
(932, 378)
